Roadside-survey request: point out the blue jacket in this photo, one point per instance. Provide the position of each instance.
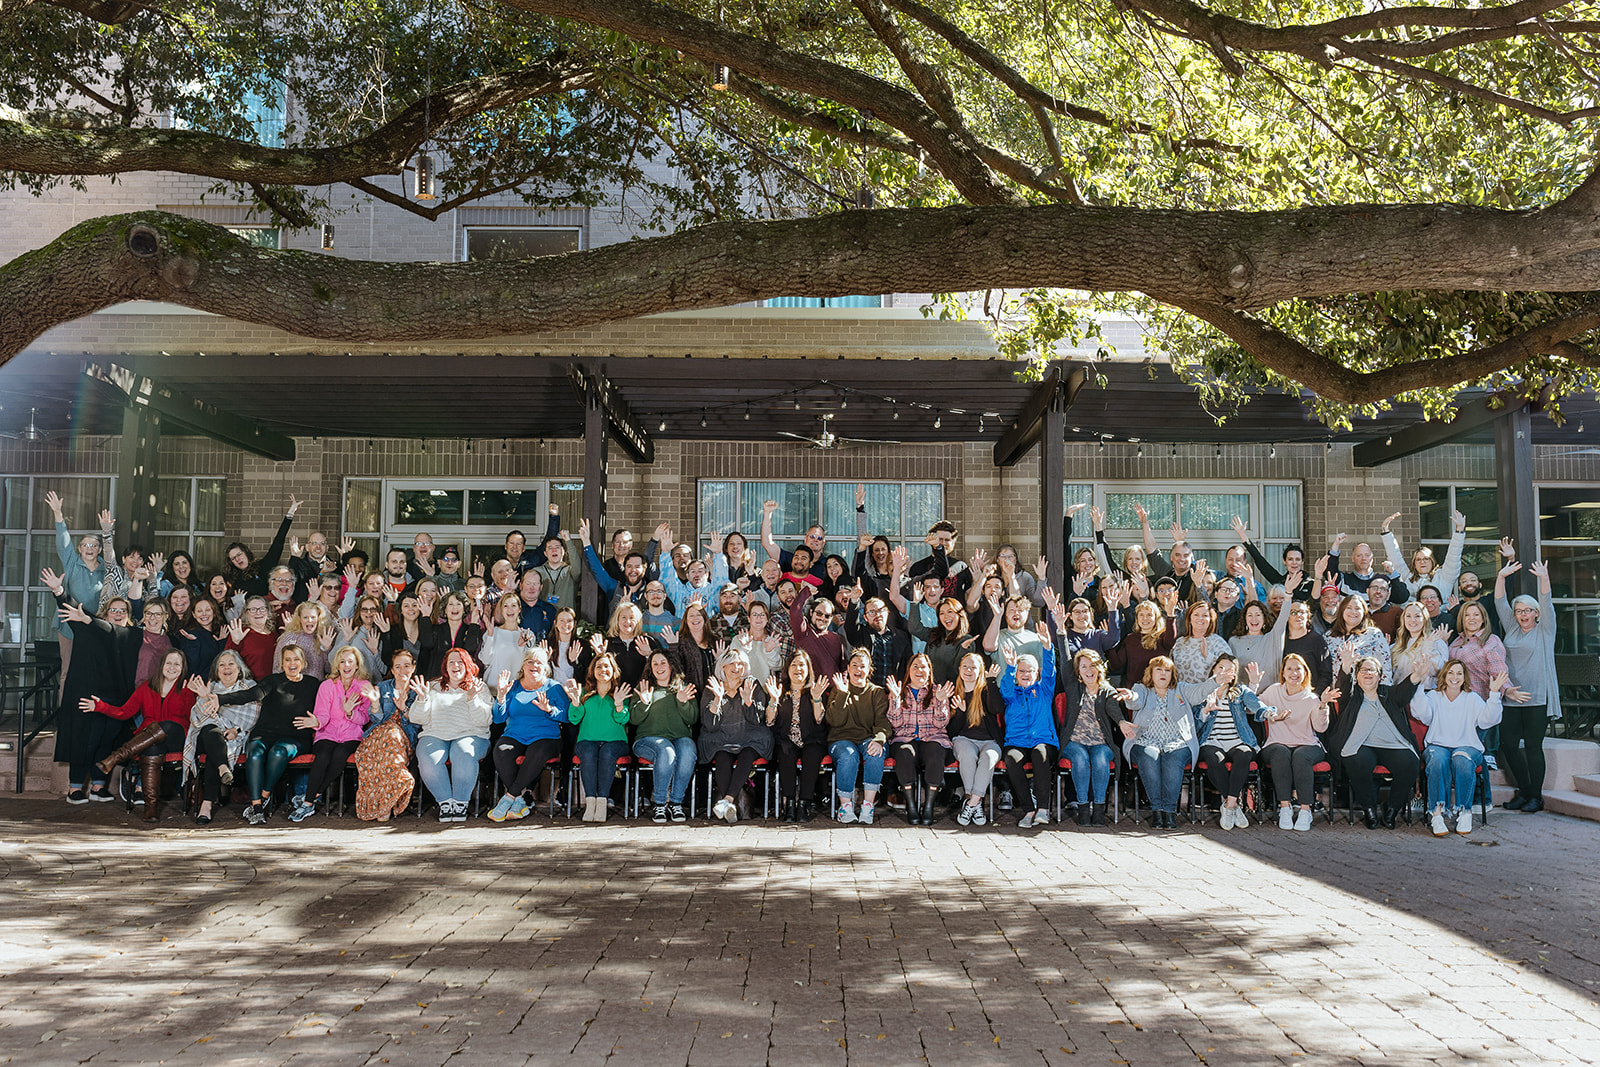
(1240, 708)
(386, 710)
(1030, 712)
(525, 721)
(82, 584)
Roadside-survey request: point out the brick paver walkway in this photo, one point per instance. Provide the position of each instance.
(336, 942)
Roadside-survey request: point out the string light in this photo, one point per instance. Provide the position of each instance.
(936, 422)
(327, 237)
(702, 418)
(1272, 451)
(719, 77)
(1174, 451)
(663, 427)
(1141, 451)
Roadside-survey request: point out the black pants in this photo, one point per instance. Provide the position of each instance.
(215, 746)
(1230, 783)
(519, 781)
(730, 772)
(798, 768)
(1292, 774)
(1403, 767)
(1043, 758)
(97, 737)
(1522, 747)
(327, 761)
(930, 756)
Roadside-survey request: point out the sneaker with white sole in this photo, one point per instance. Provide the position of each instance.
(676, 813)
(1464, 821)
(499, 812)
(846, 812)
(1225, 820)
(979, 816)
(964, 818)
(1437, 824)
(519, 809)
(1302, 821)
(1041, 818)
(724, 809)
(459, 814)
(1026, 822)
(660, 815)
(864, 816)
(77, 796)
(1286, 818)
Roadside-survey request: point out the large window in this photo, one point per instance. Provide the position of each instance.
(521, 242)
(1271, 512)
(901, 511)
(1480, 506)
(472, 516)
(189, 516)
(824, 302)
(28, 544)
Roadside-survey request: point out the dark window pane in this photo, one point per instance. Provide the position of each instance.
(421, 507)
(361, 506)
(13, 560)
(1160, 507)
(260, 236)
(797, 509)
(1574, 571)
(82, 501)
(41, 615)
(208, 553)
(210, 504)
(519, 243)
(1569, 514)
(1578, 629)
(1433, 503)
(1482, 509)
(172, 503)
(509, 507)
(11, 620)
(719, 506)
(568, 496)
(14, 504)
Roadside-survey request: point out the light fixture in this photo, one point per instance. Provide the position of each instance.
(1387, 441)
(1141, 451)
(936, 421)
(327, 237)
(1102, 444)
(865, 198)
(370, 445)
(797, 403)
(719, 77)
(1219, 449)
(702, 418)
(426, 176)
(1174, 451)
(747, 413)
(980, 424)
(1272, 451)
(844, 402)
(469, 447)
(663, 427)
(424, 445)
(502, 444)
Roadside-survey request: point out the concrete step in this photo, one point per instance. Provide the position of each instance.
(1588, 784)
(1565, 760)
(1571, 802)
(40, 772)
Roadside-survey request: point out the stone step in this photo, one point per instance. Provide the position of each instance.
(1565, 760)
(1588, 784)
(1571, 802)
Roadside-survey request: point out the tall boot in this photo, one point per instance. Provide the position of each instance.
(150, 771)
(137, 744)
(930, 808)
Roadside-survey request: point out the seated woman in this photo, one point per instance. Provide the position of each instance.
(284, 728)
(1354, 630)
(1223, 709)
(977, 712)
(920, 715)
(795, 717)
(310, 627)
(454, 714)
(1453, 749)
(1371, 728)
(1090, 724)
(858, 736)
(1197, 649)
(164, 703)
(600, 711)
(947, 645)
(733, 731)
(1151, 635)
(452, 630)
(759, 643)
(663, 713)
(383, 759)
(252, 636)
(202, 639)
(1028, 686)
(1294, 715)
(410, 630)
(220, 732)
(532, 712)
(625, 639)
(344, 706)
(1160, 741)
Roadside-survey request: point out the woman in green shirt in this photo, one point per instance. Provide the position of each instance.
(600, 711)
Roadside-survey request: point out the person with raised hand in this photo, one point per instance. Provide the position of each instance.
(919, 711)
(599, 709)
(1424, 569)
(796, 708)
(858, 737)
(1535, 699)
(733, 731)
(1453, 750)
(1160, 740)
(533, 711)
(220, 731)
(663, 714)
(163, 705)
(1296, 717)
(344, 704)
(1370, 728)
(1091, 724)
(85, 566)
(1028, 685)
(455, 714)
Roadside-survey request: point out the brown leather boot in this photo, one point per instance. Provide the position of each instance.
(150, 771)
(140, 741)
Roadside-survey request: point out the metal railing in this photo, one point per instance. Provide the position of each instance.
(24, 685)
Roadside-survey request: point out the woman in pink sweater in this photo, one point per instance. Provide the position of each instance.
(344, 704)
(1294, 715)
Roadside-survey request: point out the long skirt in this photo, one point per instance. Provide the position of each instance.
(384, 784)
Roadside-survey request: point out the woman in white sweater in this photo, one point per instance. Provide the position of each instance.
(454, 714)
(1454, 714)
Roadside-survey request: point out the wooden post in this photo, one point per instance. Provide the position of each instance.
(1052, 476)
(137, 467)
(1513, 476)
(595, 435)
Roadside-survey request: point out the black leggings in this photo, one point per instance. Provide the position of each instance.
(798, 768)
(1230, 783)
(327, 761)
(215, 746)
(931, 756)
(519, 781)
(96, 738)
(1522, 747)
(1043, 758)
(730, 772)
(1292, 775)
(1403, 767)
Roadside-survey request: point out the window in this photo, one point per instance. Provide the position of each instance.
(824, 302)
(28, 544)
(1569, 543)
(1481, 506)
(189, 517)
(1271, 512)
(472, 516)
(260, 236)
(264, 113)
(521, 242)
(901, 511)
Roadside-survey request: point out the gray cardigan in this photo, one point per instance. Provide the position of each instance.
(1531, 655)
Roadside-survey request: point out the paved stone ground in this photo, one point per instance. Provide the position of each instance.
(541, 943)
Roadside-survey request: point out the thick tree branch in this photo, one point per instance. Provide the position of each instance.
(1276, 350)
(1194, 260)
(41, 149)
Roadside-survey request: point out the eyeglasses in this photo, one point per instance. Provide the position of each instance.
(116, 611)
(258, 611)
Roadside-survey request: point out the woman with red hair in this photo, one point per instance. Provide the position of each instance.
(454, 714)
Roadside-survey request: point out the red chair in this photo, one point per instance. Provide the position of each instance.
(1249, 801)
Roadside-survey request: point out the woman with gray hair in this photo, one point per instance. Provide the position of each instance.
(1535, 695)
(219, 730)
(733, 730)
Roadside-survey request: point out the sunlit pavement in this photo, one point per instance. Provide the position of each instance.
(339, 942)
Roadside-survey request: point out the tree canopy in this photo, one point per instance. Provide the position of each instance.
(1375, 203)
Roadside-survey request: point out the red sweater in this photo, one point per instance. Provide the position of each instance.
(174, 707)
(257, 649)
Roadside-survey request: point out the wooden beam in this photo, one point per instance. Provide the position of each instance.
(183, 412)
(1052, 492)
(1470, 418)
(138, 466)
(1514, 492)
(595, 436)
(1026, 427)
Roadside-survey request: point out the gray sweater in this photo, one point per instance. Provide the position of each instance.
(1531, 656)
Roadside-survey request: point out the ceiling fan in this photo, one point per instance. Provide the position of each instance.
(30, 432)
(830, 440)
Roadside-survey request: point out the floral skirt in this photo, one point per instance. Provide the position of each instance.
(384, 784)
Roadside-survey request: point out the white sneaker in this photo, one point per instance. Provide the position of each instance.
(1437, 823)
(1226, 818)
(1464, 821)
(1302, 821)
(846, 812)
(864, 816)
(724, 809)
(1026, 822)
(1041, 817)
(965, 816)
(499, 812)
(979, 816)
(1286, 818)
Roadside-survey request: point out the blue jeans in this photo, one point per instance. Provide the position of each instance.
(671, 766)
(597, 765)
(1091, 770)
(457, 781)
(851, 756)
(1445, 765)
(1162, 773)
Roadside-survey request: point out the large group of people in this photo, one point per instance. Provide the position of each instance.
(942, 681)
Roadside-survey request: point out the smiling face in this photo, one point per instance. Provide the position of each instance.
(1362, 558)
(950, 616)
(1199, 620)
(1414, 620)
(660, 668)
(89, 551)
(346, 664)
(155, 618)
(859, 670)
(1527, 617)
(455, 667)
(293, 662)
(1455, 678)
(534, 668)
(1472, 619)
(239, 557)
(1255, 619)
(204, 613)
(733, 672)
(918, 672)
(1027, 671)
(1227, 594)
(172, 667)
(1352, 614)
(1299, 619)
(1378, 594)
(218, 588)
(1224, 671)
(1294, 675)
(180, 600)
(227, 669)
(257, 614)
(799, 672)
(1016, 613)
(1368, 675)
(971, 669)
(1088, 670)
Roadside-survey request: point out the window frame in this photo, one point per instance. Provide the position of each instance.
(32, 563)
(912, 541)
(468, 230)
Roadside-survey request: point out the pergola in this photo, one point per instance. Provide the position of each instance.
(258, 402)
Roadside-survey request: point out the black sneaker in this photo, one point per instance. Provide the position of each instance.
(77, 796)
(676, 813)
(101, 795)
(660, 815)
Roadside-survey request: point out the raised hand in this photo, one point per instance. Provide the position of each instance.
(773, 693)
(1179, 534)
(352, 574)
(861, 495)
(347, 544)
(663, 533)
(1440, 633)
(1321, 567)
(641, 645)
(583, 532)
(892, 684)
(1330, 695)
(573, 690)
(597, 642)
(418, 687)
(236, 630)
(425, 566)
(294, 506)
(326, 635)
(1043, 631)
(157, 561)
(1419, 670)
(624, 691)
(1097, 517)
(53, 502)
(719, 692)
(1124, 694)
(1539, 569)
(1253, 671)
(1141, 586)
(313, 589)
(840, 684)
(1073, 509)
(1509, 569)
(1080, 584)
(1041, 568)
(370, 640)
(1239, 530)
(1144, 516)
(294, 547)
(1347, 657)
(899, 559)
(944, 693)
(995, 672)
(980, 559)
(819, 689)
(381, 621)
(686, 693)
(768, 507)
(1338, 540)
(287, 617)
(106, 522)
(1387, 522)
(51, 580)
(747, 691)
(477, 568)
(1508, 547)
(1008, 654)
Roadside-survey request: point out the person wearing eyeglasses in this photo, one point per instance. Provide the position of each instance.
(253, 637)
